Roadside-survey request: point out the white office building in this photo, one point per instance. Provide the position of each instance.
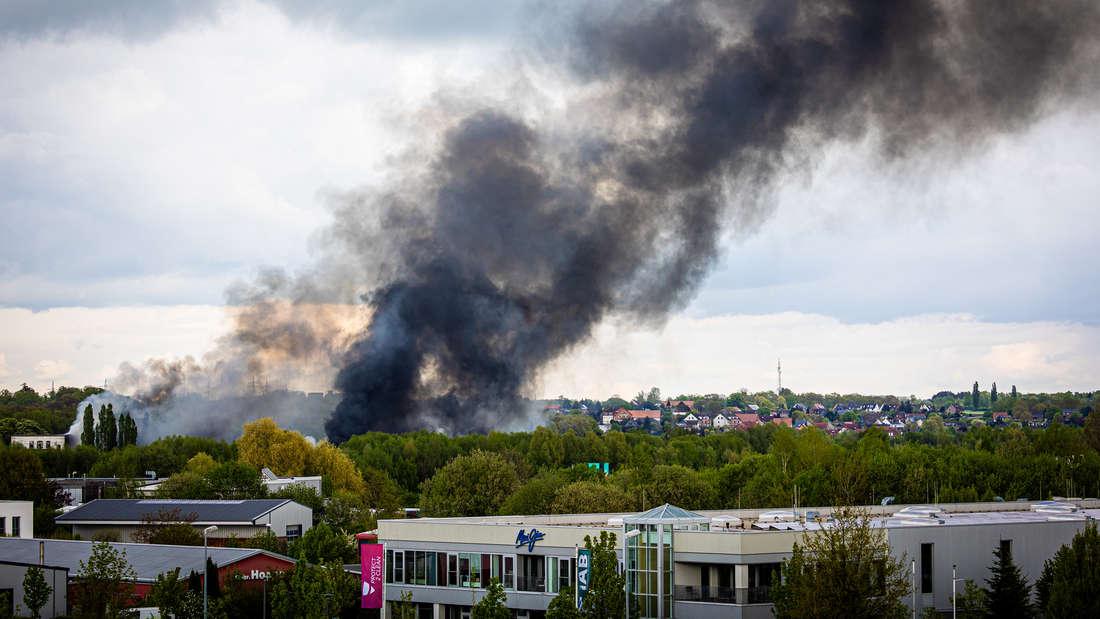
(703, 565)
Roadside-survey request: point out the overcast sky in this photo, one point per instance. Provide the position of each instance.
(150, 158)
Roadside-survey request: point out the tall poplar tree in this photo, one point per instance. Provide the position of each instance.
(87, 437)
(976, 396)
(993, 394)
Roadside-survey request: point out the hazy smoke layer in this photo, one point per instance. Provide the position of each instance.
(439, 296)
(522, 244)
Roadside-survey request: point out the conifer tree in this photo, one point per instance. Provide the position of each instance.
(993, 394)
(87, 437)
(1009, 595)
(976, 396)
(1013, 392)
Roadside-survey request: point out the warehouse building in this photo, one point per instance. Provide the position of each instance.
(703, 565)
(240, 519)
(60, 562)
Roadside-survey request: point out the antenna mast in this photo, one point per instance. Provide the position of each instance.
(779, 375)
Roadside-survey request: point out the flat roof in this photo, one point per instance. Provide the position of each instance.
(949, 513)
(148, 560)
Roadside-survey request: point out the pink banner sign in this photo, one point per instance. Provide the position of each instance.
(370, 560)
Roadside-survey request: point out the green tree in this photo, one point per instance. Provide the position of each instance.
(1007, 594)
(1092, 427)
(546, 448)
(1070, 583)
(404, 609)
(104, 584)
(993, 393)
(975, 397)
(168, 527)
(605, 592)
(87, 437)
(493, 605)
(313, 592)
(169, 594)
(590, 497)
(323, 544)
(970, 604)
(845, 570)
(35, 591)
(107, 430)
(564, 606)
(472, 485)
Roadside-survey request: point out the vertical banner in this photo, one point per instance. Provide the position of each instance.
(584, 570)
(372, 574)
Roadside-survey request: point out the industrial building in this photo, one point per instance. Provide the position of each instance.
(241, 518)
(60, 562)
(704, 565)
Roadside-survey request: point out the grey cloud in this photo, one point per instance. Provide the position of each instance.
(144, 20)
(129, 19)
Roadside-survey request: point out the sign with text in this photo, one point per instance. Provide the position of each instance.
(372, 574)
(584, 571)
(528, 538)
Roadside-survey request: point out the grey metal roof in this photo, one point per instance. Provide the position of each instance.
(134, 510)
(665, 514)
(148, 560)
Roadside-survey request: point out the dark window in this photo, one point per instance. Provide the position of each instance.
(3, 526)
(1006, 549)
(486, 570)
(399, 566)
(926, 568)
(15, 526)
(389, 566)
(293, 531)
(452, 570)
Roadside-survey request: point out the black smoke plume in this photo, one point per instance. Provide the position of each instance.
(520, 238)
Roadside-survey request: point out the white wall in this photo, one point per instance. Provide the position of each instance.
(24, 510)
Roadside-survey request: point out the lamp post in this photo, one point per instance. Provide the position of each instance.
(205, 566)
(954, 579)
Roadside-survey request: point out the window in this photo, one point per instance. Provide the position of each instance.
(1006, 549)
(926, 568)
(293, 531)
(509, 572)
(39, 444)
(48, 446)
(3, 526)
(399, 566)
(15, 526)
(452, 570)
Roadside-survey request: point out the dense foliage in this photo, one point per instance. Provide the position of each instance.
(1070, 583)
(845, 570)
(52, 412)
(760, 467)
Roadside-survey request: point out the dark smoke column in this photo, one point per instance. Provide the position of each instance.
(520, 243)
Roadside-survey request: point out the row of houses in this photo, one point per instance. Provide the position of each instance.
(893, 421)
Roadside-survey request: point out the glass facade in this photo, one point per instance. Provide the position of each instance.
(476, 570)
(649, 569)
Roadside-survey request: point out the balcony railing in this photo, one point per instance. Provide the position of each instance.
(723, 595)
(530, 584)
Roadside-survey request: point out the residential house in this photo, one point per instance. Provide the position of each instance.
(721, 422)
(41, 441)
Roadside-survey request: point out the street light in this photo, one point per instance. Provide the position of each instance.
(205, 563)
(954, 579)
